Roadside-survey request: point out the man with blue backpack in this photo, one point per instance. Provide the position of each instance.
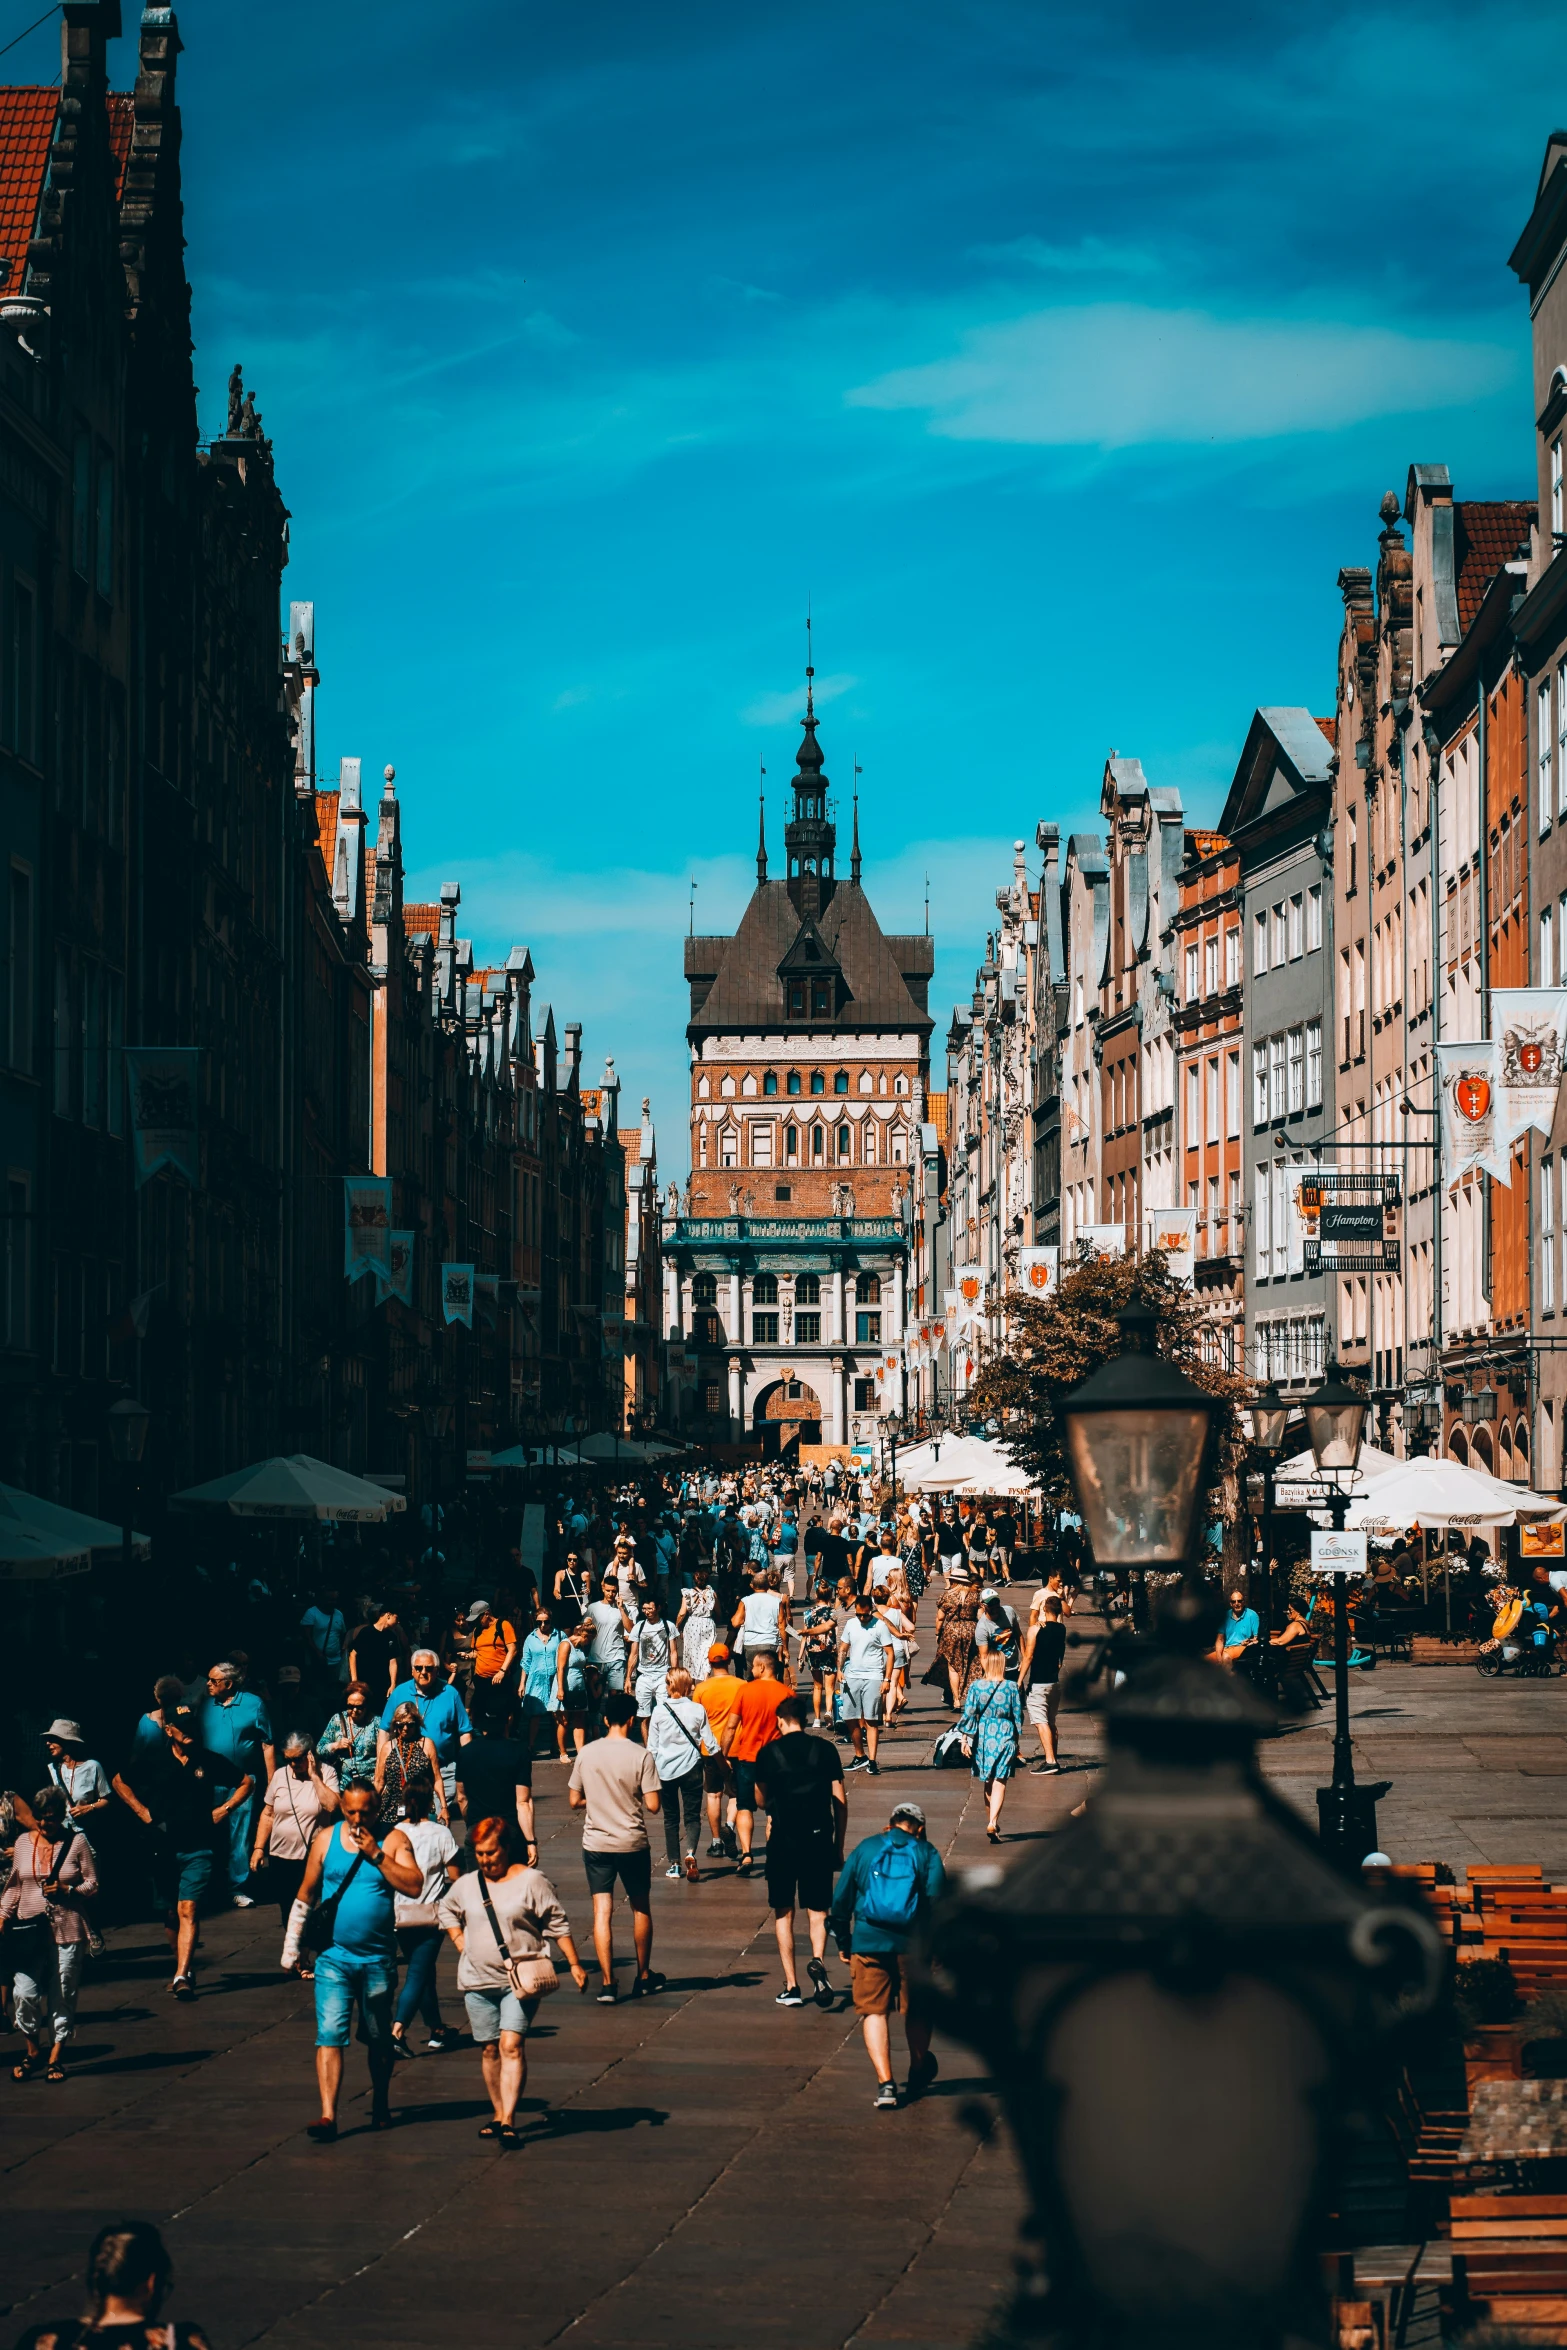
(884, 1894)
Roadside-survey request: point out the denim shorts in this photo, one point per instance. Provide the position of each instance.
(861, 1700)
(492, 2012)
(181, 1876)
(342, 1977)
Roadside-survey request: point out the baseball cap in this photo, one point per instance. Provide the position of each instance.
(989, 1592)
(909, 1811)
(480, 1607)
(718, 1653)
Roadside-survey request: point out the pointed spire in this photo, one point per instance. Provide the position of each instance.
(854, 853)
(761, 824)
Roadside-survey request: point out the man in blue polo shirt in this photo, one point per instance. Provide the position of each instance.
(441, 1710)
(232, 1723)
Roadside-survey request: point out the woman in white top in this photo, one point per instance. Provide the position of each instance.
(761, 1619)
(698, 1622)
(679, 1739)
(503, 1910)
(300, 1794)
(418, 1927)
(892, 1607)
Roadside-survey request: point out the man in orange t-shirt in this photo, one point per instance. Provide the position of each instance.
(760, 1698)
(719, 1697)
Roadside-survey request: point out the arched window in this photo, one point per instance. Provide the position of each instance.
(1521, 1452)
(704, 1290)
(791, 1142)
(900, 1085)
(868, 1142)
(840, 1083)
(794, 1081)
(818, 1082)
(729, 1148)
(845, 1141)
(1457, 1447)
(818, 1142)
(867, 1289)
(769, 1083)
(867, 1082)
(764, 1289)
(808, 1289)
(900, 1146)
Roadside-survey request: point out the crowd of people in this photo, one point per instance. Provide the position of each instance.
(710, 1653)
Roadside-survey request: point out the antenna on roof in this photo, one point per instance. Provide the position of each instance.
(854, 860)
(927, 905)
(691, 918)
(810, 660)
(761, 821)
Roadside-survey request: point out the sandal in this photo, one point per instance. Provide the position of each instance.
(25, 2070)
(506, 2135)
(490, 2129)
(55, 2072)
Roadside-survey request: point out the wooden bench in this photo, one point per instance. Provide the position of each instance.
(1510, 2262)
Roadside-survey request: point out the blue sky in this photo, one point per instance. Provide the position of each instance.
(1059, 355)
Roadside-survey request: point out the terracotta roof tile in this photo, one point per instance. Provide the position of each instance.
(26, 135)
(326, 829)
(936, 1112)
(422, 921)
(122, 122)
(1486, 534)
(1329, 727)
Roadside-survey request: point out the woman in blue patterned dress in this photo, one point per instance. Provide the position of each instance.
(991, 1726)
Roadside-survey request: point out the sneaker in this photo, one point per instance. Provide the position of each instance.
(438, 2043)
(692, 1871)
(1045, 1770)
(824, 1989)
(183, 1987)
(921, 2075)
(606, 1997)
(715, 1850)
(674, 1869)
(874, 1768)
(858, 1764)
(886, 2097)
(647, 1986)
(789, 1996)
(243, 1901)
(401, 2052)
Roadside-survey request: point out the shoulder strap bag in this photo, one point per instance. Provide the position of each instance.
(695, 1744)
(530, 1978)
(320, 1927)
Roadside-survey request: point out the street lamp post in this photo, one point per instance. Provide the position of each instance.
(1335, 1425)
(129, 1421)
(1267, 1418)
(1182, 1966)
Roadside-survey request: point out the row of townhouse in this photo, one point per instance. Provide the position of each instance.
(178, 882)
(1176, 1018)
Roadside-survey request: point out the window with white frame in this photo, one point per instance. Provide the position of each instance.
(1548, 1236)
(1191, 972)
(1276, 1077)
(1556, 487)
(1297, 1230)
(1259, 944)
(1213, 1100)
(1313, 1064)
(1281, 1220)
(1259, 1085)
(1262, 1223)
(1561, 738)
(1544, 751)
(1232, 955)
(1547, 947)
(1191, 1102)
(1232, 1093)
(1297, 1069)
(1314, 918)
(1297, 927)
(1277, 951)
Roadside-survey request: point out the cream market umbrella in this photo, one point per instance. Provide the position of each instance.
(293, 1485)
(537, 1456)
(1298, 1484)
(50, 1521)
(966, 1464)
(1435, 1492)
(27, 1556)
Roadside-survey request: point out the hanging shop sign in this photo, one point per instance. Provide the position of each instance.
(1351, 1221)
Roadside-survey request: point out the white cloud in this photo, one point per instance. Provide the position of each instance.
(1089, 257)
(780, 709)
(1116, 374)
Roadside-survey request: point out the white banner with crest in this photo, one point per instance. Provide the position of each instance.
(1477, 1135)
(1174, 1230)
(1039, 1270)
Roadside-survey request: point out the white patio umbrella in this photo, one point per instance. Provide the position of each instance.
(967, 1465)
(27, 1556)
(51, 1521)
(1298, 1484)
(1435, 1492)
(293, 1485)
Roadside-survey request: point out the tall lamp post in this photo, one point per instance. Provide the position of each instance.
(1266, 1421)
(1181, 1966)
(1335, 1425)
(129, 1421)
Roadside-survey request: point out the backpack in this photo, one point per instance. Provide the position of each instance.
(893, 1890)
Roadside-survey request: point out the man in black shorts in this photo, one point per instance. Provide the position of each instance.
(495, 1782)
(802, 1780)
(615, 1781)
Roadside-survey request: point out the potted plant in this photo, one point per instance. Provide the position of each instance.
(1486, 2001)
(1542, 2035)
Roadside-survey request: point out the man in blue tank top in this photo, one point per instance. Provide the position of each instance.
(353, 1866)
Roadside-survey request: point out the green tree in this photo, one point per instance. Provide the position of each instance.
(1054, 1343)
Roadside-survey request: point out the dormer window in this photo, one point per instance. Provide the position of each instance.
(821, 999)
(797, 999)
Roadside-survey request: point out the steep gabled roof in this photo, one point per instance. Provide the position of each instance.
(747, 992)
(1487, 532)
(422, 921)
(1284, 758)
(26, 135)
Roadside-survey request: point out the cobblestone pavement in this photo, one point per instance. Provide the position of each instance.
(703, 2169)
(709, 2170)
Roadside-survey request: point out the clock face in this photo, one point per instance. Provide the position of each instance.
(1473, 1096)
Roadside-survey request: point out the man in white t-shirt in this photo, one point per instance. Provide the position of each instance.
(865, 1653)
(613, 1624)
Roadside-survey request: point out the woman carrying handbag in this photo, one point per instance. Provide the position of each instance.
(497, 1919)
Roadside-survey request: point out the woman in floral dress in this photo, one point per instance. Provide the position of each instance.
(991, 1726)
